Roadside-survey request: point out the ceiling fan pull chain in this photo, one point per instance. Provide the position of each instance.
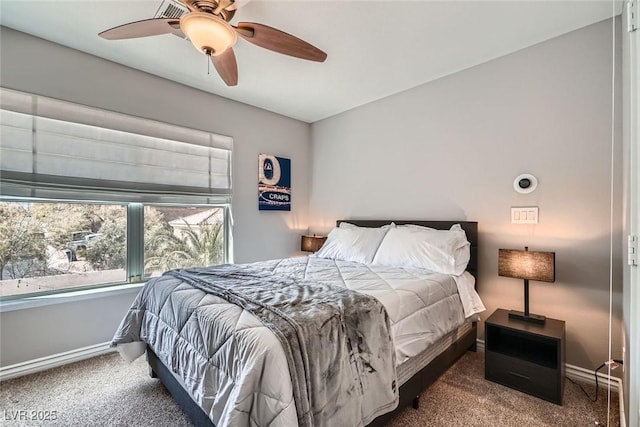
(207, 54)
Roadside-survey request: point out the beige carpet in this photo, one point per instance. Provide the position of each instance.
(106, 391)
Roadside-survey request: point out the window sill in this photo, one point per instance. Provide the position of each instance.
(67, 297)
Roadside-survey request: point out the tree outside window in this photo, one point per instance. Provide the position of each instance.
(48, 246)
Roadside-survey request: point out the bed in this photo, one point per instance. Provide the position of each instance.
(238, 386)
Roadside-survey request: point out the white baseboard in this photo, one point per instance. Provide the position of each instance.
(585, 375)
(48, 362)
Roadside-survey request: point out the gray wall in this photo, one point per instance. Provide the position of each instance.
(30, 333)
(37, 66)
(452, 148)
(448, 149)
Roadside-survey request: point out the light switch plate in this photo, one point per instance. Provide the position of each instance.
(524, 215)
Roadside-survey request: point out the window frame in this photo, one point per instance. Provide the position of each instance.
(134, 265)
(35, 183)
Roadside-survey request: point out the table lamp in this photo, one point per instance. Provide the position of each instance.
(312, 243)
(527, 265)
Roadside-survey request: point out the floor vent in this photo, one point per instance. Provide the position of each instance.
(171, 9)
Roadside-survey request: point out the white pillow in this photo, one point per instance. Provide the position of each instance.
(344, 224)
(347, 225)
(442, 251)
(352, 243)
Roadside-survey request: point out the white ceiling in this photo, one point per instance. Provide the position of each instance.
(375, 48)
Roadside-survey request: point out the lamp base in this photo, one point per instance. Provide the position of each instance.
(531, 318)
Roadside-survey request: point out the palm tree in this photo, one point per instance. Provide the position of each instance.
(193, 248)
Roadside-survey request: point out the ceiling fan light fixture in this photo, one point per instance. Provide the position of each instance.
(208, 33)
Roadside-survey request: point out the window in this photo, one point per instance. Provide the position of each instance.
(53, 246)
(49, 246)
(182, 237)
(91, 197)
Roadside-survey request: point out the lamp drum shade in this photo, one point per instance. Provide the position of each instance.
(528, 265)
(312, 243)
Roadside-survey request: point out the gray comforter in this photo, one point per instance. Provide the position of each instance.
(337, 342)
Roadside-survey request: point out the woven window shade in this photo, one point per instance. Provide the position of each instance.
(52, 148)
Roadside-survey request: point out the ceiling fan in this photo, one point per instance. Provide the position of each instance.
(207, 26)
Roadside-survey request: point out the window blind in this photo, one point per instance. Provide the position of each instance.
(55, 149)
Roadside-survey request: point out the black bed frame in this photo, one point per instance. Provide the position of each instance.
(409, 391)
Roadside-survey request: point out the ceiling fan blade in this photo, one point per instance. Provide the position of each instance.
(279, 41)
(227, 66)
(237, 4)
(144, 28)
(222, 4)
(189, 5)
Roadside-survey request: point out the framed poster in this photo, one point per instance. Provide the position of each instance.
(274, 183)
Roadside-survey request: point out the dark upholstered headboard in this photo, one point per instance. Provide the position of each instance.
(469, 227)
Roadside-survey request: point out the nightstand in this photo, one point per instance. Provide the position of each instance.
(526, 356)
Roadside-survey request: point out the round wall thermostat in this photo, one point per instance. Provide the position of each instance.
(525, 183)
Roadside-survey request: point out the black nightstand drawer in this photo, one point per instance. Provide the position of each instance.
(526, 356)
(524, 376)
